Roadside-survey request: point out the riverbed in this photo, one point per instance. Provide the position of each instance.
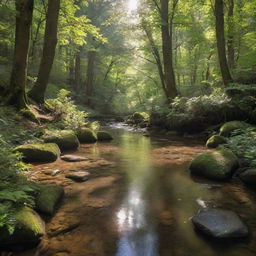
(139, 201)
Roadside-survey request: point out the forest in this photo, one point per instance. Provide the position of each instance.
(127, 127)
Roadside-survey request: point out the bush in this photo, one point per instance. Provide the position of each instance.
(10, 163)
(243, 144)
(13, 193)
(201, 105)
(69, 116)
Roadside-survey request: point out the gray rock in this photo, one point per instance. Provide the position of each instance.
(249, 176)
(73, 158)
(78, 176)
(219, 223)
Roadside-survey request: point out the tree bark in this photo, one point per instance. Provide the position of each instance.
(230, 43)
(167, 31)
(16, 94)
(37, 93)
(221, 46)
(90, 77)
(77, 72)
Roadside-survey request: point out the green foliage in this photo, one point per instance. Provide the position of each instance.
(201, 105)
(69, 116)
(10, 163)
(243, 144)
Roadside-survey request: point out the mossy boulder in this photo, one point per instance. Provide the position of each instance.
(227, 128)
(249, 176)
(138, 118)
(215, 141)
(28, 229)
(48, 152)
(65, 139)
(217, 165)
(86, 135)
(104, 136)
(48, 197)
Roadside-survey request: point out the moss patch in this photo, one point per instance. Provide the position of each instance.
(217, 165)
(29, 227)
(48, 152)
(104, 136)
(48, 198)
(86, 135)
(65, 139)
(215, 141)
(229, 127)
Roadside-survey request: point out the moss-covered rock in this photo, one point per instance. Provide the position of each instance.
(48, 197)
(249, 176)
(138, 118)
(29, 228)
(48, 152)
(65, 139)
(217, 165)
(215, 141)
(86, 135)
(229, 127)
(104, 136)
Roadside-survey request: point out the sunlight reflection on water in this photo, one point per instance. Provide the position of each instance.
(137, 232)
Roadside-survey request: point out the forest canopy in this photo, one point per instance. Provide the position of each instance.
(119, 56)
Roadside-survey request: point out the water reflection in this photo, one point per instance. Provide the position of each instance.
(134, 218)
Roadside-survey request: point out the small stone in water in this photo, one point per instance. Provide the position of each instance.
(78, 176)
(73, 158)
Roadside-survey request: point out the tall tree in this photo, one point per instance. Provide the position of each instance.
(221, 46)
(230, 42)
(37, 93)
(167, 33)
(16, 94)
(90, 76)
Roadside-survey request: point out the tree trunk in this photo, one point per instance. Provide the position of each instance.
(219, 15)
(77, 71)
(50, 40)
(90, 77)
(16, 92)
(167, 50)
(231, 49)
(157, 57)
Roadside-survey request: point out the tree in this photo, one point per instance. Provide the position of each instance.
(221, 46)
(16, 94)
(37, 93)
(230, 41)
(167, 33)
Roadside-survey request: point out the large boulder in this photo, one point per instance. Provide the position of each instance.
(139, 118)
(218, 165)
(86, 135)
(249, 176)
(48, 152)
(65, 139)
(28, 229)
(219, 223)
(104, 136)
(48, 197)
(215, 141)
(227, 128)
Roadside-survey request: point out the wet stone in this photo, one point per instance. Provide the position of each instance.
(78, 176)
(73, 158)
(220, 223)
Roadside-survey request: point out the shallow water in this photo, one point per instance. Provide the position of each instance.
(140, 200)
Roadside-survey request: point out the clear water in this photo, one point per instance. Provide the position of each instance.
(148, 211)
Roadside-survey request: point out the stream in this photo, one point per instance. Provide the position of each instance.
(139, 201)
